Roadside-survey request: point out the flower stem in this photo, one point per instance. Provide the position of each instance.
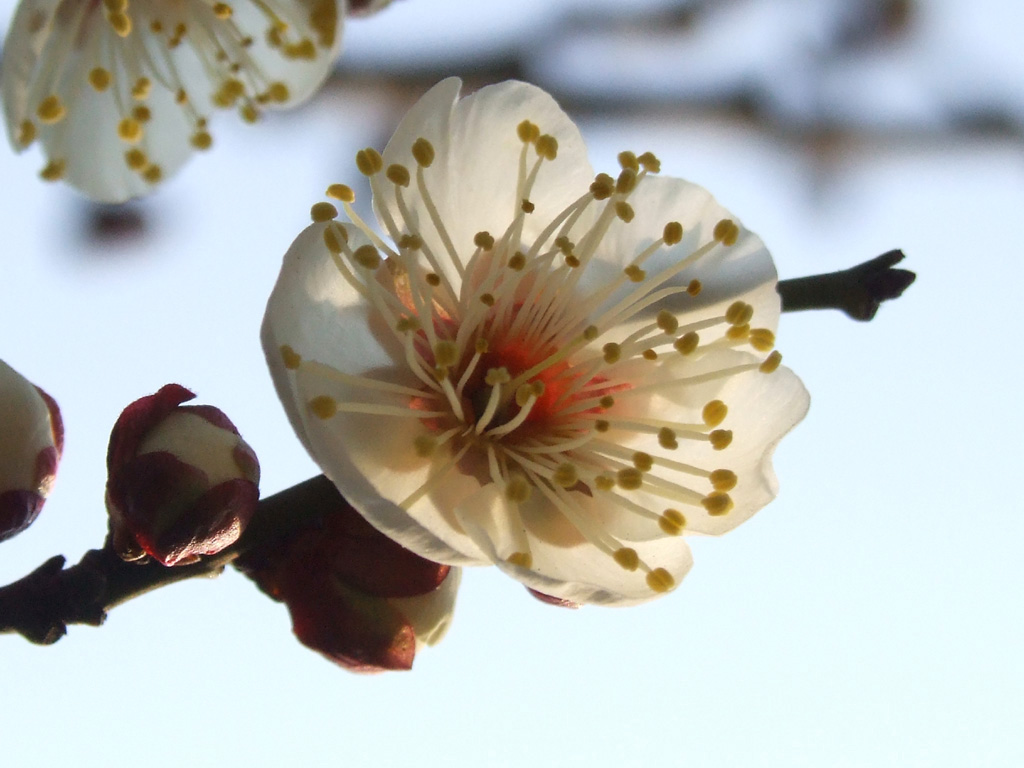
(857, 291)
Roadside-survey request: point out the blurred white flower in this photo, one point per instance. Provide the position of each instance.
(119, 92)
(559, 374)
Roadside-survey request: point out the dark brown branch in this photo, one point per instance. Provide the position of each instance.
(41, 605)
(857, 291)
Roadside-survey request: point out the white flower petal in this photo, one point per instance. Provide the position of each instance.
(117, 113)
(472, 182)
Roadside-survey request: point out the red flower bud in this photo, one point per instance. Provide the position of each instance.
(181, 481)
(31, 441)
(354, 595)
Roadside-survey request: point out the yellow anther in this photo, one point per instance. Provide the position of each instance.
(142, 88)
(687, 343)
(249, 113)
(496, 376)
(672, 233)
(481, 345)
(523, 394)
(153, 173)
(487, 299)
(410, 242)
(643, 461)
(341, 192)
(423, 152)
(604, 482)
(606, 402)
(304, 49)
(156, 26)
(628, 161)
(624, 211)
(433, 279)
(424, 445)
(538, 387)
(547, 146)
(115, 6)
(723, 479)
(517, 261)
(483, 240)
(367, 257)
(278, 92)
(564, 244)
(714, 413)
(635, 273)
(566, 475)
(26, 133)
(672, 522)
(771, 363)
(626, 182)
(527, 132)
(738, 332)
(762, 339)
(612, 352)
(720, 439)
(324, 406)
(51, 110)
(99, 79)
(717, 503)
(694, 288)
(398, 174)
(602, 425)
(603, 186)
(527, 206)
(650, 163)
(369, 161)
(629, 479)
(53, 171)
(121, 23)
(726, 232)
(446, 353)
(520, 559)
(649, 354)
(180, 96)
(290, 357)
(517, 490)
(142, 113)
(222, 11)
(660, 580)
(667, 322)
(129, 130)
(572, 261)
(321, 212)
(406, 324)
(738, 313)
(627, 558)
(590, 333)
(136, 159)
(667, 439)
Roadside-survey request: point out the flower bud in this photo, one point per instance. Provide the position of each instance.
(31, 441)
(354, 595)
(181, 482)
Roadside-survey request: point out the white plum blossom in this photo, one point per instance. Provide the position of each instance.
(560, 374)
(119, 92)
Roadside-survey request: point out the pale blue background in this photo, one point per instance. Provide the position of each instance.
(871, 616)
